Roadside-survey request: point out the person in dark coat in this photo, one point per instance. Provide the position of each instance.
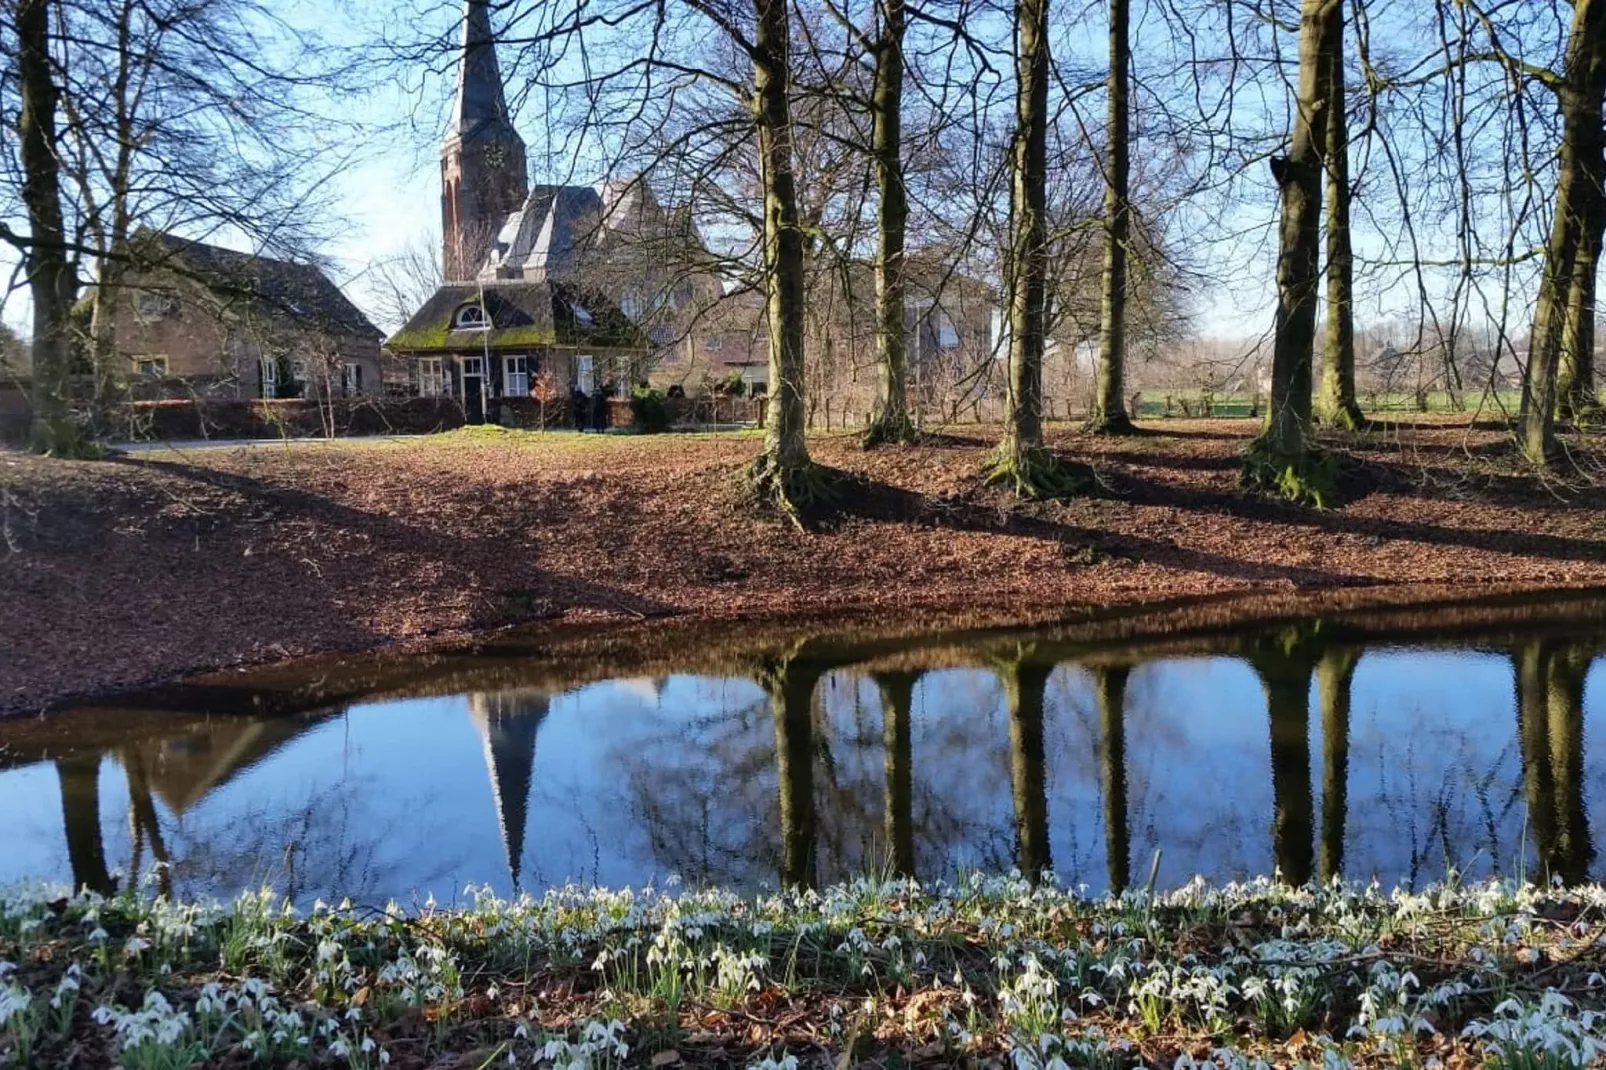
(578, 410)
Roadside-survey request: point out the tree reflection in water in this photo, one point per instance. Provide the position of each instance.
(1550, 719)
(823, 762)
(897, 691)
(1109, 689)
(1335, 681)
(1285, 667)
(1025, 695)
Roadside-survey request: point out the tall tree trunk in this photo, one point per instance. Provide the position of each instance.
(1335, 676)
(51, 281)
(890, 421)
(1109, 404)
(1109, 688)
(1337, 404)
(1575, 387)
(783, 475)
(897, 697)
(1022, 462)
(791, 692)
(1025, 688)
(1579, 171)
(111, 238)
(1280, 458)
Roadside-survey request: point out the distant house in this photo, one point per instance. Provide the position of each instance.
(193, 318)
(484, 343)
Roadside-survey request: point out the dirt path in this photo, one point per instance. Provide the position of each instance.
(123, 572)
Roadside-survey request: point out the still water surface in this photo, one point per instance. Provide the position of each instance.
(1393, 750)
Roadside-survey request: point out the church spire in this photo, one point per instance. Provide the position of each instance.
(481, 105)
(483, 172)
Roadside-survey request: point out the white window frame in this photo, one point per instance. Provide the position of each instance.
(270, 376)
(350, 379)
(471, 317)
(585, 373)
(431, 377)
(516, 377)
(714, 342)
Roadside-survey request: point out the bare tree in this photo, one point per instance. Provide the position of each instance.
(1282, 460)
(1337, 404)
(1022, 461)
(1109, 401)
(51, 279)
(1568, 283)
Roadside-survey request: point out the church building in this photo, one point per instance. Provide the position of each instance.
(552, 288)
(492, 334)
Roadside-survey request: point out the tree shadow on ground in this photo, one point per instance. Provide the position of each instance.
(861, 498)
(484, 558)
(1141, 491)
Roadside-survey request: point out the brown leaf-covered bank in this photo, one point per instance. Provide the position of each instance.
(122, 572)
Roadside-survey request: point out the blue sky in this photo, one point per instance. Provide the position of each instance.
(388, 198)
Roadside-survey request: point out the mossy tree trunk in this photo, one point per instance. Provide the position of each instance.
(783, 475)
(1109, 689)
(890, 420)
(1575, 388)
(52, 280)
(1022, 462)
(1337, 404)
(1109, 402)
(897, 699)
(1025, 693)
(1335, 678)
(1279, 458)
(1578, 211)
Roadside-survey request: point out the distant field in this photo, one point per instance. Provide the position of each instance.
(1182, 403)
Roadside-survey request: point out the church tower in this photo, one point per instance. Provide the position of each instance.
(483, 171)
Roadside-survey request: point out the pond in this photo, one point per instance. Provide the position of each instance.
(1112, 748)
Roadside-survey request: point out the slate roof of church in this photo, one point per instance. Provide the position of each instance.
(290, 291)
(522, 314)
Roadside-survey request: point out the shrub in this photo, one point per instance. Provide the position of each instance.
(649, 411)
(732, 386)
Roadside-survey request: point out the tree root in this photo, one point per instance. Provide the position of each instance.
(1344, 417)
(66, 441)
(1033, 473)
(1115, 423)
(796, 491)
(891, 430)
(1305, 477)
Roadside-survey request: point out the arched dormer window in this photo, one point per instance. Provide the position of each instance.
(471, 317)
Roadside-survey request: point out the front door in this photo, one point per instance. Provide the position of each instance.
(474, 389)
